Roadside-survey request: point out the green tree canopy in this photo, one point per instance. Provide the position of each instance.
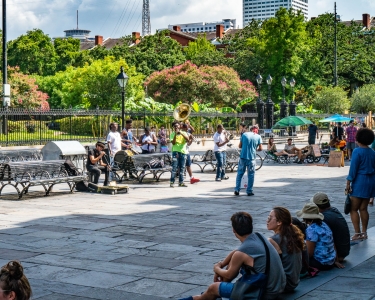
(220, 86)
(33, 53)
(363, 100)
(92, 85)
(331, 100)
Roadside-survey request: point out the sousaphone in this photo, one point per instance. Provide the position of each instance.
(182, 112)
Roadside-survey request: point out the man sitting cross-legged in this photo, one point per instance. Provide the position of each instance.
(292, 149)
(250, 253)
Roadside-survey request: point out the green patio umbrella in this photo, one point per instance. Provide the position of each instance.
(291, 121)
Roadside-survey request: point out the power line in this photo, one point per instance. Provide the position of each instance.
(134, 8)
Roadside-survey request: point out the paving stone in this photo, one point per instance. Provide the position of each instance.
(111, 294)
(52, 273)
(12, 254)
(336, 296)
(150, 261)
(98, 279)
(350, 285)
(62, 297)
(155, 287)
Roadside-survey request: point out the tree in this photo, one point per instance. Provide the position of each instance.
(363, 100)
(67, 51)
(24, 91)
(33, 53)
(93, 85)
(331, 100)
(220, 85)
(202, 52)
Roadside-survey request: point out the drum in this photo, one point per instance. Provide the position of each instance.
(136, 148)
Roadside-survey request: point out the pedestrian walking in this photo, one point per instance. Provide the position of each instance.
(249, 144)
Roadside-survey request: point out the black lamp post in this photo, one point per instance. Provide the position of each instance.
(292, 104)
(283, 104)
(260, 104)
(122, 79)
(269, 104)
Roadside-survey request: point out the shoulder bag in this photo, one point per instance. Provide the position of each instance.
(252, 285)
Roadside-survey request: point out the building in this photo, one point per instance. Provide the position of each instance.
(205, 26)
(265, 9)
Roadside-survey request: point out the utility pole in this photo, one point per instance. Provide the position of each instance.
(335, 51)
(146, 23)
(6, 86)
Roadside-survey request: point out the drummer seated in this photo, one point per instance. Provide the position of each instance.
(294, 151)
(335, 143)
(95, 163)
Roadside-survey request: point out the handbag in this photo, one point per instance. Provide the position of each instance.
(348, 204)
(252, 285)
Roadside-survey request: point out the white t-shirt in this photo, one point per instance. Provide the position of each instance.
(114, 139)
(147, 147)
(219, 138)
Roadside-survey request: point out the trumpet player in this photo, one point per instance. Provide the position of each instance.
(221, 140)
(95, 163)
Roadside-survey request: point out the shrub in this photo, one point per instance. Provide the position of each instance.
(83, 125)
(14, 126)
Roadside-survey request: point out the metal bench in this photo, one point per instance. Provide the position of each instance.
(140, 165)
(233, 156)
(20, 155)
(25, 174)
(202, 161)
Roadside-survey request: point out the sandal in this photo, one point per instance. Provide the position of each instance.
(357, 237)
(364, 235)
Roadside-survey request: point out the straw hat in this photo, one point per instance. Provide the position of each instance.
(310, 211)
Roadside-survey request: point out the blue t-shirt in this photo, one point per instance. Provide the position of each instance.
(130, 136)
(324, 247)
(250, 143)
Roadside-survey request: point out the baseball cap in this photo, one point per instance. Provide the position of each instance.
(320, 199)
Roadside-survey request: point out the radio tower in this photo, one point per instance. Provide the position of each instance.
(146, 24)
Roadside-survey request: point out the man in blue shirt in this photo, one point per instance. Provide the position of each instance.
(249, 144)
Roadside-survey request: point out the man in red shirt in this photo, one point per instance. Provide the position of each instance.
(351, 132)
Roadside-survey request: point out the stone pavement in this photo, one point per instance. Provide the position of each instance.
(157, 242)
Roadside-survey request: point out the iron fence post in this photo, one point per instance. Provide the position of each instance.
(70, 121)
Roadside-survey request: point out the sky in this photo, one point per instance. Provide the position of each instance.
(116, 18)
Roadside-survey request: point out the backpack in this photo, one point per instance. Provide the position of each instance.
(70, 168)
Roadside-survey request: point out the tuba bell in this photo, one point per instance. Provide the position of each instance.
(182, 112)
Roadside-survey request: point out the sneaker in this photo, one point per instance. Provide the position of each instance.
(194, 180)
(237, 193)
(182, 185)
(217, 179)
(250, 194)
(172, 185)
(299, 163)
(225, 178)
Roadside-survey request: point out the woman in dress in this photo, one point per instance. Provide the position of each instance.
(289, 242)
(13, 283)
(319, 239)
(360, 182)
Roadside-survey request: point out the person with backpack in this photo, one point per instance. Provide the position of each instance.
(95, 164)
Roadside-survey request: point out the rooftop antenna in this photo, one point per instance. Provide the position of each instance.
(77, 18)
(146, 23)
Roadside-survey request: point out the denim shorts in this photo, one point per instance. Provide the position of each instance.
(188, 160)
(225, 289)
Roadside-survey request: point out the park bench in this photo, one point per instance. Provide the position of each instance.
(25, 174)
(142, 165)
(233, 156)
(202, 161)
(20, 155)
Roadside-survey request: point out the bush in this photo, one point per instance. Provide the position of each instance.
(14, 126)
(80, 125)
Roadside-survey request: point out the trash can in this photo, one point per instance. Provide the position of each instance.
(72, 150)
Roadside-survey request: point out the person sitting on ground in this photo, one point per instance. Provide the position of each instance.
(250, 253)
(292, 149)
(271, 148)
(13, 283)
(289, 242)
(319, 239)
(96, 163)
(336, 222)
(148, 142)
(193, 180)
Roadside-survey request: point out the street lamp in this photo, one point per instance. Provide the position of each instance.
(122, 80)
(260, 103)
(269, 104)
(283, 104)
(292, 104)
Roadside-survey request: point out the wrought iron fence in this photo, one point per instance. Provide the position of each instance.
(21, 127)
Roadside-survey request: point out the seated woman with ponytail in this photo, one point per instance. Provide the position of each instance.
(13, 283)
(289, 242)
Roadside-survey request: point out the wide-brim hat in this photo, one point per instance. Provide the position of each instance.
(320, 198)
(310, 211)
